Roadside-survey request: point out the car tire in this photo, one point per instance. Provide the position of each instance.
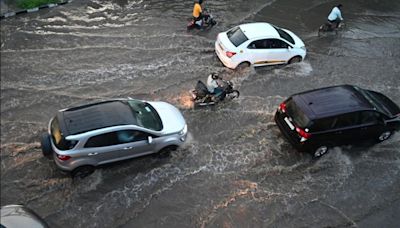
(46, 145)
(384, 136)
(82, 171)
(243, 65)
(295, 59)
(320, 151)
(165, 152)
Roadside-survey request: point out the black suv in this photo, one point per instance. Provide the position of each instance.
(315, 120)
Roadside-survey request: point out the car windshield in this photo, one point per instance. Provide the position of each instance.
(297, 115)
(284, 35)
(236, 36)
(146, 116)
(374, 101)
(58, 139)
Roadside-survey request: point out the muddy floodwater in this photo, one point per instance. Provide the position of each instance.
(236, 170)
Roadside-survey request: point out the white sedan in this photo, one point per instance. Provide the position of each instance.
(259, 44)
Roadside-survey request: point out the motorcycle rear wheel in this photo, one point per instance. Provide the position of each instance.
(234, 94)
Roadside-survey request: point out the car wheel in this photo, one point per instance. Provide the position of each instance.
(320, 151)
(82, 171)
(165, 152)
(295, 59)
(384, 136)
(46, 145)
(243, 65)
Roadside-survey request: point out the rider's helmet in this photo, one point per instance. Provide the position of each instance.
(214, 76)
(200, 1)
(339, 6)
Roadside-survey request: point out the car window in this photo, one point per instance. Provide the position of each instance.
(107, 139)
(267, 43)
(367, 117)
(322, 124)
(236, 36)
(257, 44)
(127, 136)
(346, 120)
(115, 138)
(298, 116)
(58, 139)
(275, 43)
(284, 35)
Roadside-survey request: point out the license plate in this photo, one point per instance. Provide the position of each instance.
(289, 123)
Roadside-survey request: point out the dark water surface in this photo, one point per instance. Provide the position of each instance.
(237, 170)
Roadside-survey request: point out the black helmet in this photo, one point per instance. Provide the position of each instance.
(339, 6)
(214, 76)
(200, 2)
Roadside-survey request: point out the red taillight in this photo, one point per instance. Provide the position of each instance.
(230, 54)
(302, 133)
(63, 157)
(282, 107)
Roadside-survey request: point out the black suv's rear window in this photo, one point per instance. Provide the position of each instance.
(236, 36)
(297, 115)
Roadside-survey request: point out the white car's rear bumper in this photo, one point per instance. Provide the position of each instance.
(224, 59)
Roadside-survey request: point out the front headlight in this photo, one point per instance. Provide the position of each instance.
(184, 130)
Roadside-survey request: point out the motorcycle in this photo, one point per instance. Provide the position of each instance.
(207, 21)
(202, 97)
(330, 27)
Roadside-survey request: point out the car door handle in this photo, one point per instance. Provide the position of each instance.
(128, 148)
(91, 154)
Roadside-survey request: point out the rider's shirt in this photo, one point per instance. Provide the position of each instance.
(335, 14)
(211, 84)
(196, 10)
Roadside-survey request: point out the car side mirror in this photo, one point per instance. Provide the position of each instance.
(289, 47)
(149, 139)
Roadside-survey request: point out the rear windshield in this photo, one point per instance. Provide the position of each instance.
(284, 35)
(236, 36)
(58, 139)
(146, 116)
(297, 115)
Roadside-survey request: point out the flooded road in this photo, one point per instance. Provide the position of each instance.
(236, 170)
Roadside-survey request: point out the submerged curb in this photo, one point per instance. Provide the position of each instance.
(50, 5)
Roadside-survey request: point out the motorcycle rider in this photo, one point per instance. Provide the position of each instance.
(214, 86)
(335, 16)
(197, 13)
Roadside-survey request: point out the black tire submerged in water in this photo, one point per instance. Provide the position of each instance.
(82, 171)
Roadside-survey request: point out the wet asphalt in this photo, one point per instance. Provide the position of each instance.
(236, 169)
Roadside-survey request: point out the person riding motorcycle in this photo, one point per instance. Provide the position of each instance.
(214, 86)
(335, 16)
(197, 12)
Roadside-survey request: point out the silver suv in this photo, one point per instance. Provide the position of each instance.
(81, 138)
